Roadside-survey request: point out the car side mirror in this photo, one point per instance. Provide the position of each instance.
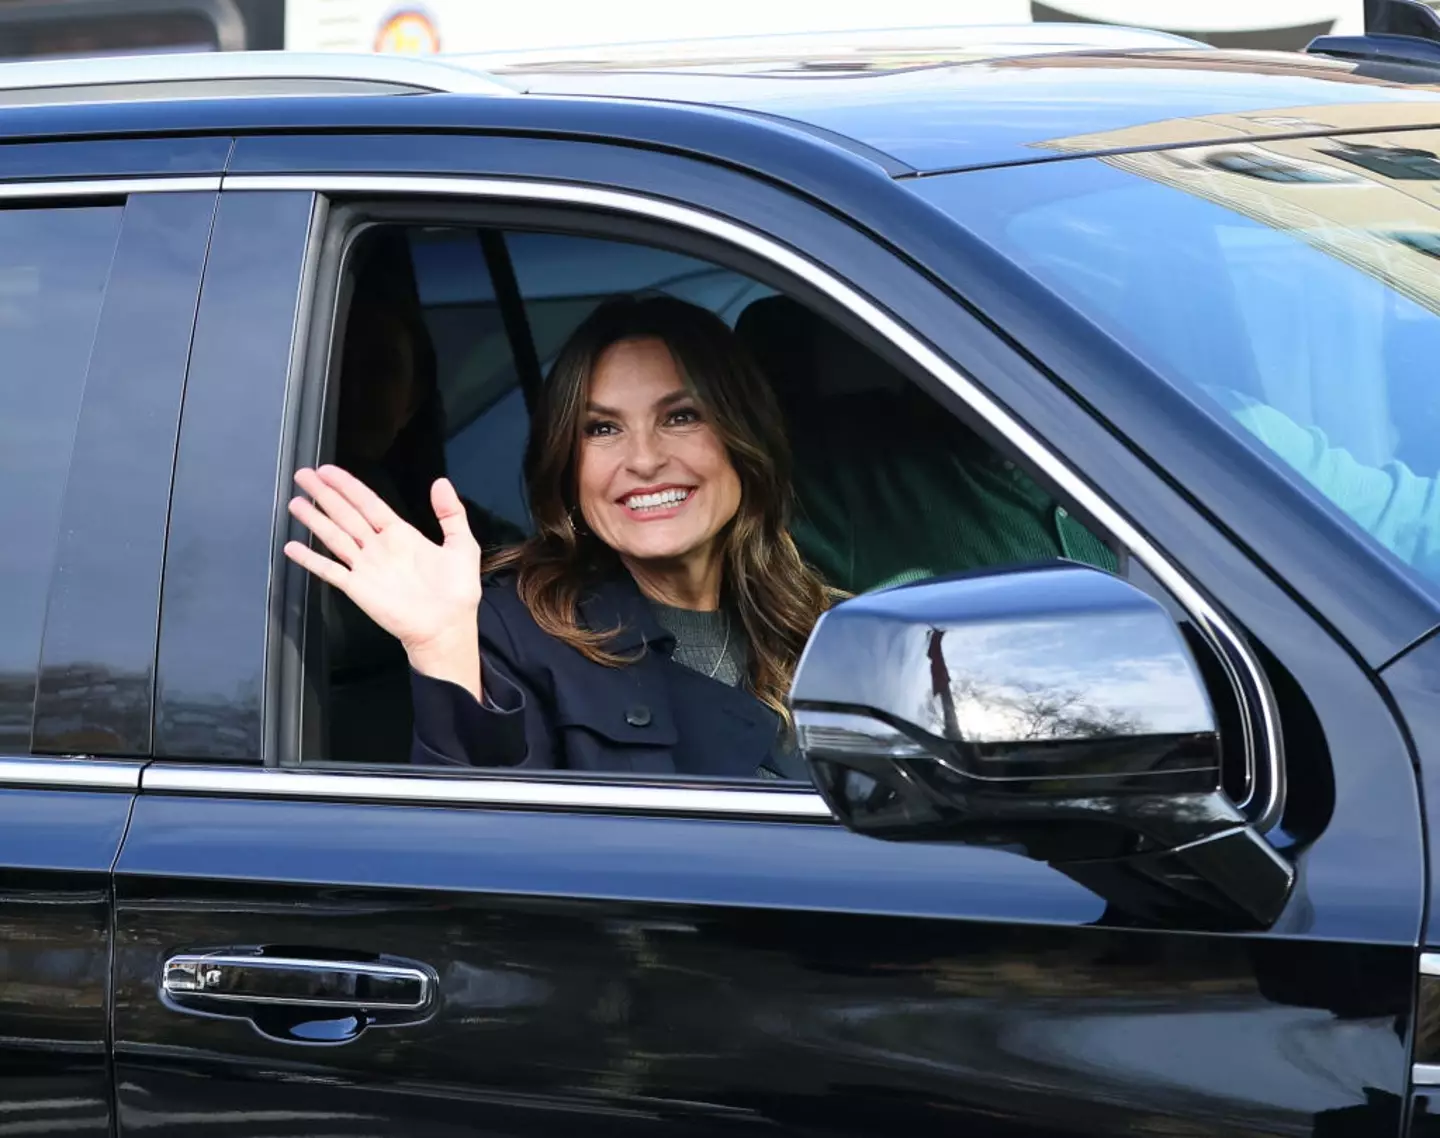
(1057, 711)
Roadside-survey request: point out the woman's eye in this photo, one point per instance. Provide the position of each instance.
(598, 429)
(683, 416)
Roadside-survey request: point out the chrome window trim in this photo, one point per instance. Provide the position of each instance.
(111, 187)
(78, 773)
(1430, 964)
(1425, 1074)
(486, 789)
(1260, 718)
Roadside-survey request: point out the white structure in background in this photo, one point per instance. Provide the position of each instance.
(483, 26)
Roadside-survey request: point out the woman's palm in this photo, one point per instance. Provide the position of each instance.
(411, 587)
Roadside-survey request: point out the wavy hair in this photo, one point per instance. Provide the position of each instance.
(776, 596)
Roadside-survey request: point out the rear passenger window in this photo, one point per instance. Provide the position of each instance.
(53, 267)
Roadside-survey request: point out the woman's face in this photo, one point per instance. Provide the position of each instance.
(655, 481)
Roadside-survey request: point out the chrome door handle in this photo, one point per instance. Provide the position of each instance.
(281, 981)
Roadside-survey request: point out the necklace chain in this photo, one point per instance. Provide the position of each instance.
(720, 658)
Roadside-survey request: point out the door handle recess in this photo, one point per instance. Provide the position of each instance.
(282, 981)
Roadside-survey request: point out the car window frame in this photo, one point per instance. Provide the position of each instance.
(449, 196)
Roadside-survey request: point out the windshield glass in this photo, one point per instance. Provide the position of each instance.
(1294, 283)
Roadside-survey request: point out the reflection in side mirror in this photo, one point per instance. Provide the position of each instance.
(1057, 711)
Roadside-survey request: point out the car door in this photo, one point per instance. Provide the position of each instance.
(519, 954)
(98, 285)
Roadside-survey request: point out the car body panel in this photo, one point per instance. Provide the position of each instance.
(57, 848)
(630, 975)
(1413, 681)
(592, 966)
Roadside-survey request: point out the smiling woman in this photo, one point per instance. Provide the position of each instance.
(653, 620)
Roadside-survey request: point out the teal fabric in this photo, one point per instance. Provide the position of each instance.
(1396, 506)
(890, 490)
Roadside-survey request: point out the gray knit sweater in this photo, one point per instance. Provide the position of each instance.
(711, 643)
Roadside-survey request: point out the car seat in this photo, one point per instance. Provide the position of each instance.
(887, 487)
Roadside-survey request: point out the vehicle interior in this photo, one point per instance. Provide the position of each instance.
(889, 487)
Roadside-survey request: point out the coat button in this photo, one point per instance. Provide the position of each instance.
(638, 716)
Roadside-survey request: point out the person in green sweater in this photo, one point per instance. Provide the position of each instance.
(937, 500)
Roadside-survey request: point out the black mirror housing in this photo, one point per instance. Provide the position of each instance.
(1055, 710)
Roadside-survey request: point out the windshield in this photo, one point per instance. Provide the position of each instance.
(1293, 283)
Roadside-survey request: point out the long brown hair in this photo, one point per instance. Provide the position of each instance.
(776, 595)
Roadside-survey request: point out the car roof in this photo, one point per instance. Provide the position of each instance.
(959, 98)
(915, 100)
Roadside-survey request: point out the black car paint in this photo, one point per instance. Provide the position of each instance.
(97, 666)
(56, 939)
(209, 693)
(775, 975)
(779, 976)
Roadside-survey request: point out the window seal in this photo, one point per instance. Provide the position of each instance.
(1259, 713)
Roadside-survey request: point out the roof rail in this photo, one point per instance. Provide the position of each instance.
(231, 73)
(1396, 31)
(994, 40)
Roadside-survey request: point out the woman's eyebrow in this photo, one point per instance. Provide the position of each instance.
(677, 396)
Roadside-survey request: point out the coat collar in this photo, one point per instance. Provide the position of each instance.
(615, 604)
(736, 723)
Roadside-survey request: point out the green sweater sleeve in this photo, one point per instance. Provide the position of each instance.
(1396, 506)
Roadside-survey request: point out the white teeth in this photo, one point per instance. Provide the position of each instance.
(657, 499)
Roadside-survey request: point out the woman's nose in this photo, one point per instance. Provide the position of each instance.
(646, 455)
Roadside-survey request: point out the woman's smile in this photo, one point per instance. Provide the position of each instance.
(656, 503)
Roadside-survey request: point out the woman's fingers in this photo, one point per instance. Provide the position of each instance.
(335, 539)
(449, 511)
(331, 572)
(335, 505)
(370, 505)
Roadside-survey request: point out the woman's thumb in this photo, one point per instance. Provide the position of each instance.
(449, 510)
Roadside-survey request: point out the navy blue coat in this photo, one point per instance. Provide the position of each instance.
(548, 707)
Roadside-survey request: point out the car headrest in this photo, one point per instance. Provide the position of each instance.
(805, 356)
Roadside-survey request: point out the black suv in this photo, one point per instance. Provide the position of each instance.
(1128, 841)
